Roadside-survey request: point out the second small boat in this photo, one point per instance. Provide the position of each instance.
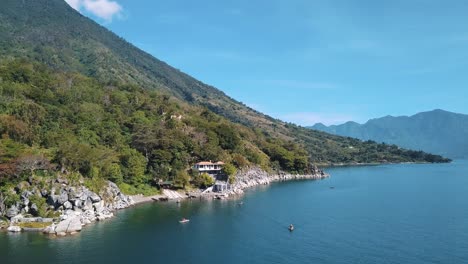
(184, 220)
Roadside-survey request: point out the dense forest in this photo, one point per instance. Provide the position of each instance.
(66, 122)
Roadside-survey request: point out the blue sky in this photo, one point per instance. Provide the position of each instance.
(307, 61)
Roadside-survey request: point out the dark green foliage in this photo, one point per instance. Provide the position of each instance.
(182, 179)
(203, 180)
(42, 207)
(229, 169)
(118, 132)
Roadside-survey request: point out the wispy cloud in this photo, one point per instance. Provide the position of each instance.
(104, 9)
(311, 118)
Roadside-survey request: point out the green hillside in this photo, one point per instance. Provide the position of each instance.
(76, 98)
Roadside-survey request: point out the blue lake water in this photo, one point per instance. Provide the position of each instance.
(377, 214)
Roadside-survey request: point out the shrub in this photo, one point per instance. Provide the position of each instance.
(229, 169)
(204, 180)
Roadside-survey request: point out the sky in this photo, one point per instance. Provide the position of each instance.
(308, 61)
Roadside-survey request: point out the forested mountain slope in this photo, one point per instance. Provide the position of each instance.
(92, 88)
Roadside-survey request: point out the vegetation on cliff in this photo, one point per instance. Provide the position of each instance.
(55, 121)
(52, 121)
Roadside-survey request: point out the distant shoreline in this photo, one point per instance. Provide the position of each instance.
(343, 165)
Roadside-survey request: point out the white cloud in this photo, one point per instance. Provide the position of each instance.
(74, 3)
(311, 118)
(105, 9)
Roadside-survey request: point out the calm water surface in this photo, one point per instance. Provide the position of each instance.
(382, 214)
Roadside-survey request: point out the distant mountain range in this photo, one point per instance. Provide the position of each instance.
(438, 131)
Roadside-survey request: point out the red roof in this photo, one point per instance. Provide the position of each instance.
(209, 163)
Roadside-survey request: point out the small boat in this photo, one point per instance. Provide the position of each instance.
(183, 221)
(291, 228)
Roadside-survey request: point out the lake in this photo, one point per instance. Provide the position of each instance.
(412, 213)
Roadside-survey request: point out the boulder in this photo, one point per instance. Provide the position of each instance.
(17, 218)
(99, 206)
(34, 209)
(26, 194)
(84, 196)
(63, 197)
(25, 210)
(44, 192)
(71, 224)
(88, 216)
(78, 203)
(50, 229)
(67, 205)
(104, 215)
(12, 212)
(53, 200)
(94, 197)
(14, 229)
(88, 204)
(25, 201)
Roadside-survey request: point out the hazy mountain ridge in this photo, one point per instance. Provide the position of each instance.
(436, 131)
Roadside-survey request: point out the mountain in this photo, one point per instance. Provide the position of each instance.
(48, 49)
(437, 131)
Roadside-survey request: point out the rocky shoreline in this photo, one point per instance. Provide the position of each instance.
(75, 206)
(255, 176)
(78, 206)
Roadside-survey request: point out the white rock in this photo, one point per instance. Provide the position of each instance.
(14, 229)
(72, 224)
(68, 205)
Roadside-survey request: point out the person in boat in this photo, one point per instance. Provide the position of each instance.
(291, 227)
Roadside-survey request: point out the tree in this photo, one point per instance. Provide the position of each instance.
(228, 138)
(32, 163)
(182, 179)
(229, 169)
(239, 161)
(204, 180)
(133, 166)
